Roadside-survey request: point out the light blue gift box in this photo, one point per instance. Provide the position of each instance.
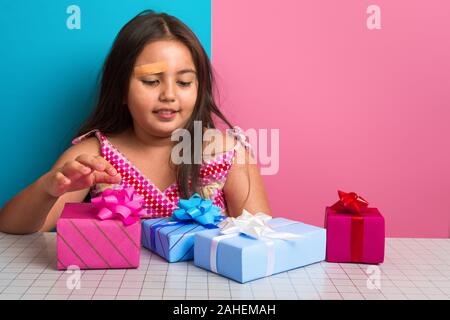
(172, 242)
(242, 258)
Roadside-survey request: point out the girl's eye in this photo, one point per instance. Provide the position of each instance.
(184, 84)
(150, 82)
(154, 82)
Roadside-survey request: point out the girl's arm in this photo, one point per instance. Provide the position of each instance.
(244, 187)
(37, 207)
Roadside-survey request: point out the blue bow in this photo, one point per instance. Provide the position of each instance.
(197, 210)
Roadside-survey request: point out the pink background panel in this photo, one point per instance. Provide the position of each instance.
(358, 110)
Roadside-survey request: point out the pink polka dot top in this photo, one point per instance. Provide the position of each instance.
(161, 203)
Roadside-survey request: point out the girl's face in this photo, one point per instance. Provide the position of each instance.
(163, 88)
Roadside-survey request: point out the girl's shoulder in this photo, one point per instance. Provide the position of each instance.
(96, 142)
(89, 142)
(89, 146)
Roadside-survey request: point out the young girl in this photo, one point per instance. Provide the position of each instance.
(156, 79)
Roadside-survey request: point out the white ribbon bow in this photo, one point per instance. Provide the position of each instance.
(254, 226)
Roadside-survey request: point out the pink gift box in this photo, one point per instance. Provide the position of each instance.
(355, 237)
(87, 242)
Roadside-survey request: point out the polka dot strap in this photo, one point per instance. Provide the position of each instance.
(80, 138)
(242, 139)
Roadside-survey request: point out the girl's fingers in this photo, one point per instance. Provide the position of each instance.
(91, 162)
(103, 177)
(61, 179)
(97, 163)
(59, 184)
(84, 171)
(74, 169)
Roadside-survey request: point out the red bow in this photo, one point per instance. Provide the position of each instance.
(353, 204)
(350, 203)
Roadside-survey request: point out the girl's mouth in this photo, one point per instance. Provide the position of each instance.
(165, 114)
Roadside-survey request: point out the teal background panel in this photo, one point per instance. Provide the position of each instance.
(50, 74)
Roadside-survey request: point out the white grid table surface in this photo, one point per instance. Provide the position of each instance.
(413, 269)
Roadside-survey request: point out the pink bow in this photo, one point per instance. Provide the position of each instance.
(124, 204)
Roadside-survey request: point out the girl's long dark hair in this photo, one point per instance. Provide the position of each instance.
(111, 116)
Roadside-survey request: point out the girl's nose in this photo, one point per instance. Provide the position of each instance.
(168, 92)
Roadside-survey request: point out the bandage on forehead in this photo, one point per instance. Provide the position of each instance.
(150, 68)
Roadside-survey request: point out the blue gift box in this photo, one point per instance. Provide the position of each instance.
(172, 240)
(242, 258)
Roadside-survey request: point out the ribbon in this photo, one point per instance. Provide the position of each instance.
(255, 226)
(193, 210)
(198, 210)
(123, 204)
(350, 203)
(353, 204)
(154, 228)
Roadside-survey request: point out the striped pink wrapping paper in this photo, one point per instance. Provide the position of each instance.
(89, 243)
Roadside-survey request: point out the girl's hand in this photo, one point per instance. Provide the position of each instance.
(81, 173)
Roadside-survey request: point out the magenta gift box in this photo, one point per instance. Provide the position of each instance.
(87, 242)
(355, 237)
